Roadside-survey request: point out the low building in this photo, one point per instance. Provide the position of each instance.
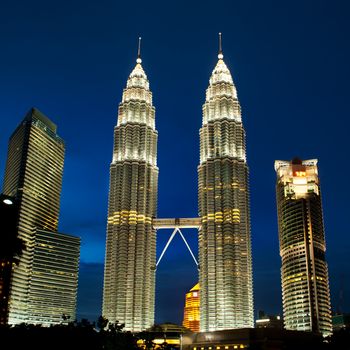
(252, 338)
(340, 321)
(268, 321)
(165, 334)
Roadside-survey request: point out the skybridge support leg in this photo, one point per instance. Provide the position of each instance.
(188, 247)
(177, 229)
(167, 245)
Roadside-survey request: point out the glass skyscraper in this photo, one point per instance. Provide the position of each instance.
(34, 176)
(130, 260)
(304, 272)
(225, 274)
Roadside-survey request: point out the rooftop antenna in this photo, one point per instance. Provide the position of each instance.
(220, 55)
(139, 52)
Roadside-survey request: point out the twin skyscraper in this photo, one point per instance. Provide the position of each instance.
(225, 273)
(225, 258)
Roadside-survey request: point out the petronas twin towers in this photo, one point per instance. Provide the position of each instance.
(225, 273)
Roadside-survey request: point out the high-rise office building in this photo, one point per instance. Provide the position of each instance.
(191, 310)
(304, 272)
(34, 176)
(225, 274)
(129, 277)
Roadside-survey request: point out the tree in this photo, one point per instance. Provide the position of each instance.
(102, 323)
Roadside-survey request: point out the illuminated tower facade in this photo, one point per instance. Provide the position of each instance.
(54, 278)
(33, 175)
(191, 310)
(225, 274)
(304, 272)
(130, 260)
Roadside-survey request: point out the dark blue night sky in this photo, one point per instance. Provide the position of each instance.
(290, 63)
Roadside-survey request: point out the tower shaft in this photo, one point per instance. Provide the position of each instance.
(304, 272)
(225, 263)
(129, 278)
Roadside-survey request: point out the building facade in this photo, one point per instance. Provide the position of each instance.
(191, 310)
(225, 274)
(304, 272)
(268, 321)
(130, 259)
(252, 338)
(54, 278)
(33, 175)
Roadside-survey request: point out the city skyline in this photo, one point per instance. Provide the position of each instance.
(302, 82)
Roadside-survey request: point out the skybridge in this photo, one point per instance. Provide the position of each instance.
(176, 224)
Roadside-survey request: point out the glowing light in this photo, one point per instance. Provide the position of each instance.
(191, 310)
(8, 201)
(298, 182)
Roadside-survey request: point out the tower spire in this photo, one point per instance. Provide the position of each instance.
(220, 55)
(139, 60)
